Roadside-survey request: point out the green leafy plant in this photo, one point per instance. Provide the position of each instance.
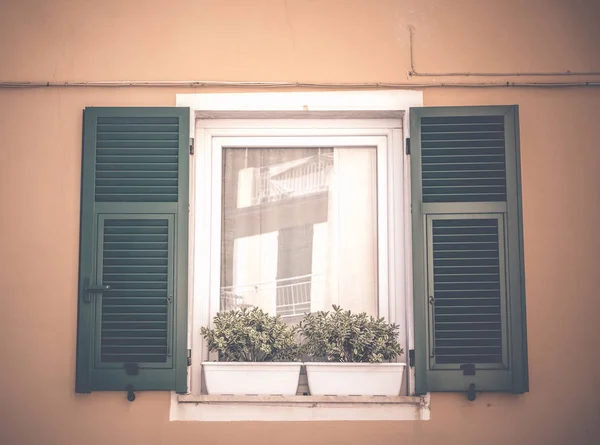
(341, 336)
(252, 335)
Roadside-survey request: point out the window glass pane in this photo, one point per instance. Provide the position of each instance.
(299, 229)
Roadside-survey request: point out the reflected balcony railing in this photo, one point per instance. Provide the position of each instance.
(292, 295)
(293, 179)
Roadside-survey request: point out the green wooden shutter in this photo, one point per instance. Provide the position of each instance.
(469, 290)
(133, 250)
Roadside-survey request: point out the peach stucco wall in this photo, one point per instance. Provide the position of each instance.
(294, 40)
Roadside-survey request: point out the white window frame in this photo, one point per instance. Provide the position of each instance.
(303, 138)
(367, 121)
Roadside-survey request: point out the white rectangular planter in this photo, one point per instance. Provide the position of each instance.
(354, 379)
(251, 378)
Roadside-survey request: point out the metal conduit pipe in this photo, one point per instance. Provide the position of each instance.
(260, 85)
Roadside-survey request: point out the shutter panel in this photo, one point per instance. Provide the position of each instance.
(469, 290)
(132, 327)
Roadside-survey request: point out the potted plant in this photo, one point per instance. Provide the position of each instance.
(349, 351)
(258, 354)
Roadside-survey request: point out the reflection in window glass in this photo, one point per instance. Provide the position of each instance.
(299, 230)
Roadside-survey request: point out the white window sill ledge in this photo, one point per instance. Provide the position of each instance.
(297, 408)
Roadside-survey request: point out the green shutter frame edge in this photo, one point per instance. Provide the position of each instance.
(517, 331)
(175, 378)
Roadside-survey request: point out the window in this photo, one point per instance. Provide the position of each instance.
(299, 229)
(273, 202)
(299, 220)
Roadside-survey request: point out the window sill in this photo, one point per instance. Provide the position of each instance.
(297, 408)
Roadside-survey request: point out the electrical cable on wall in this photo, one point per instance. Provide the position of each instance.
(255, 85)
(340, 85)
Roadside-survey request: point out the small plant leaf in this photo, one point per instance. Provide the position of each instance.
(341, 336)
(252, 335)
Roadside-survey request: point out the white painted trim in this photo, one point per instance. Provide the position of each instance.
(268, 140)
(192, 258)
(355, 101)
(251, 126)
(379, 141)
(297, 408)
(324, 400)
(304, 101)
(209, 154)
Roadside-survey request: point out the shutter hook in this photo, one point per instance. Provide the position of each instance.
(130, 393)
(471, 394)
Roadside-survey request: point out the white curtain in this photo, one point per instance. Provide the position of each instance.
(351, 265)
(338, 199)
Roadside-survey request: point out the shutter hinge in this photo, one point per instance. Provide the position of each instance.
(407, 146)
(191, 146)
(189, 357)
(411, 357)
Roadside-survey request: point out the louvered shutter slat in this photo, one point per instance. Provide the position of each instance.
(473, 238)
(125, 319)
(134, 240)
(459, 155)
(468, 285)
